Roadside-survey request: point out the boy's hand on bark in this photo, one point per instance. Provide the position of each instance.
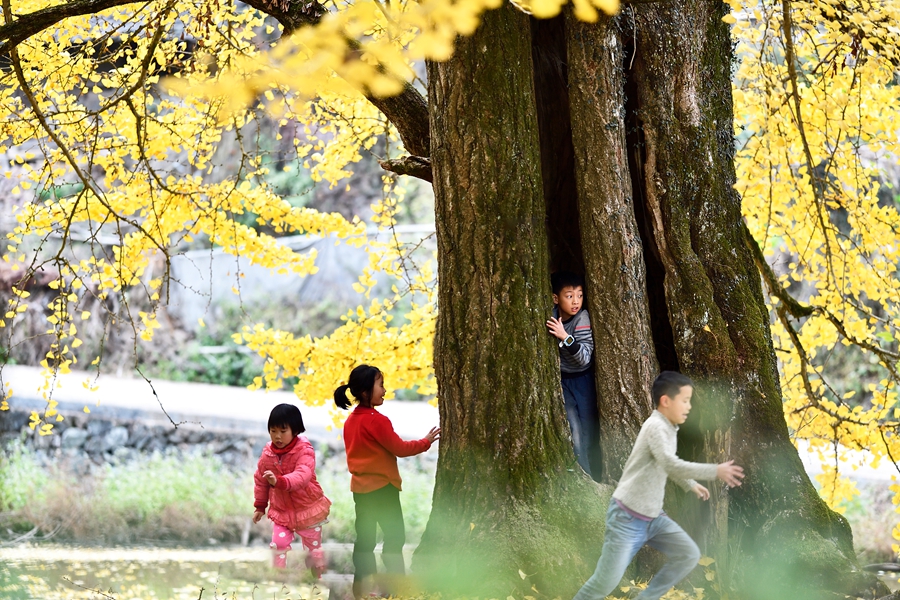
(257, 515)
(701, 492)
(270, 477)
(556, 328)
(730, 473)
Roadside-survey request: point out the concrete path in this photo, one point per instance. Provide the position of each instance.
(215, 406)
(194, 404)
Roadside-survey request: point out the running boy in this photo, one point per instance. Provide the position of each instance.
(635, 515)
(571, 325)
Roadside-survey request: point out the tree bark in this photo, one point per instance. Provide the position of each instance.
(670, 285)
(509, 496)
(615, 275)
(791, 544)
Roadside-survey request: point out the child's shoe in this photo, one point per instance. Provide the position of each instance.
(315, 560)
(631, 593)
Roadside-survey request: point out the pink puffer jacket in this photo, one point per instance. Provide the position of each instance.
(296, 501)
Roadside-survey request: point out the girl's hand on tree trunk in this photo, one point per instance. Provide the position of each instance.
(730, 473)
(434, 434)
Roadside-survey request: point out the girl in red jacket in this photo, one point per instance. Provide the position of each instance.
(372, 451)
(285, 480)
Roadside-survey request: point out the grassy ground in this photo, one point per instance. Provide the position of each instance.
(146, 575)
(193, 500)
(77, 573)
(56, 573)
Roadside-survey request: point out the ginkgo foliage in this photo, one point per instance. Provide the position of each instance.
(816, 100)
(143, 167)
(127, 107)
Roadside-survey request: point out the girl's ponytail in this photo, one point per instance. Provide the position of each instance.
(340, 397)
(360, 383)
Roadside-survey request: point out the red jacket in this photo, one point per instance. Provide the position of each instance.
(296, 501)
(372, 450)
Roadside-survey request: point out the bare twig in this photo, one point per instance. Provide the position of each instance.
(817, 185)
(96, 591)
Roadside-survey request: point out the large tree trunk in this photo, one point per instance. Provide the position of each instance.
(615, 274)
(607, 146)
(509, 495)
(791, 544)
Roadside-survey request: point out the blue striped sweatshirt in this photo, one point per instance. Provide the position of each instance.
(577, 358)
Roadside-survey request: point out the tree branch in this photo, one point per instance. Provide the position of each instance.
(799, 310)
(17, 30)
(817, 184)
(775, 288)
(408, 110)
(414, 166)
(291, 15)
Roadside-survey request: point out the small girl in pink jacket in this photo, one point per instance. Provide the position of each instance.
(285, 481)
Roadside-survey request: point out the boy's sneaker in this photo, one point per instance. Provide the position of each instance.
(631, 593)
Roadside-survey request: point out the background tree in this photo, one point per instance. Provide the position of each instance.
(633, 172)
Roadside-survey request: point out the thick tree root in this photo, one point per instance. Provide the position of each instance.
(545, 546)
(794, 563)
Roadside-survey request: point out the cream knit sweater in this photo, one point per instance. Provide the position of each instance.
(652, 460)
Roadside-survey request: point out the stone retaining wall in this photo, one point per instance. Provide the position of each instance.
(105, 440)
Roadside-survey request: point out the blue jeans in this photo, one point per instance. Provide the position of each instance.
(581, 409)
(624, 537)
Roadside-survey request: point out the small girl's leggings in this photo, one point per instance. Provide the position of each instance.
(312, 540)
(378, 508)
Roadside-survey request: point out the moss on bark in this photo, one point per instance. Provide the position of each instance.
(509, 496)
(654, 189)
(717, 312)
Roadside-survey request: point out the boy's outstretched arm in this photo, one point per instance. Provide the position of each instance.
(730, 473)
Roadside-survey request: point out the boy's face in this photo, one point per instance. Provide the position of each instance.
(569, 300)
(281, 435)
(676, 408)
